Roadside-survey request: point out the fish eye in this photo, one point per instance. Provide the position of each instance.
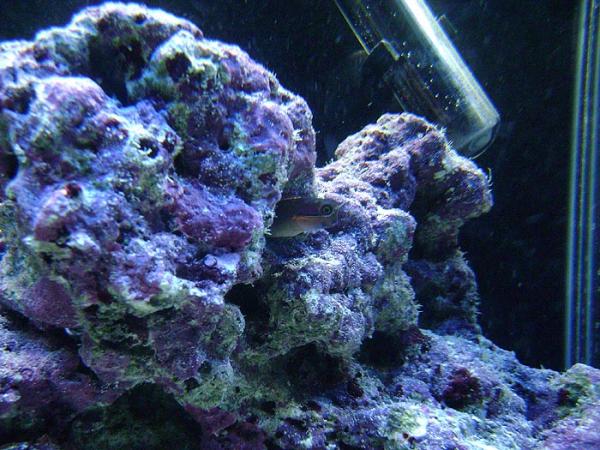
(326, 210)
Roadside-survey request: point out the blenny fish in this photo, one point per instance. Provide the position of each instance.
(296, 215)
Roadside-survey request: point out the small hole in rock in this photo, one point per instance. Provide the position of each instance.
(191, 384)
(254, 309)
(186, 166)
(20, 99)
(205, 368)
(103, 24)
(113, 67)
(72, 190)
(384, 349)
(40, 53)
(223, 142)
(150, 146)
(9, 165)
(248, 299)
(169, 142)
(313, 370)
(177, 66)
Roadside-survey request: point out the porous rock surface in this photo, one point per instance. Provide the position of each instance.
(140, 165)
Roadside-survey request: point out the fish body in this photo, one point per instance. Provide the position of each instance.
(297, 215)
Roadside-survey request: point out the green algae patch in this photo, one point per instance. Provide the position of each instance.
(396, 293)
(578, 388)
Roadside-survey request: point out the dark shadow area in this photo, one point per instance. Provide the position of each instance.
(386, 350)
(313, 371)
(255, 310)
(144, 418)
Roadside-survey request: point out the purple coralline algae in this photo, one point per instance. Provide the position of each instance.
(41, 381)
(140, 167)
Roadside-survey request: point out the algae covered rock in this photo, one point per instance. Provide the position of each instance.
(141, 165)
(578, 412)
(42, 382)
(144, 162)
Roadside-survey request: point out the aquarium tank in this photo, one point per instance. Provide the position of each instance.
(300, 224)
